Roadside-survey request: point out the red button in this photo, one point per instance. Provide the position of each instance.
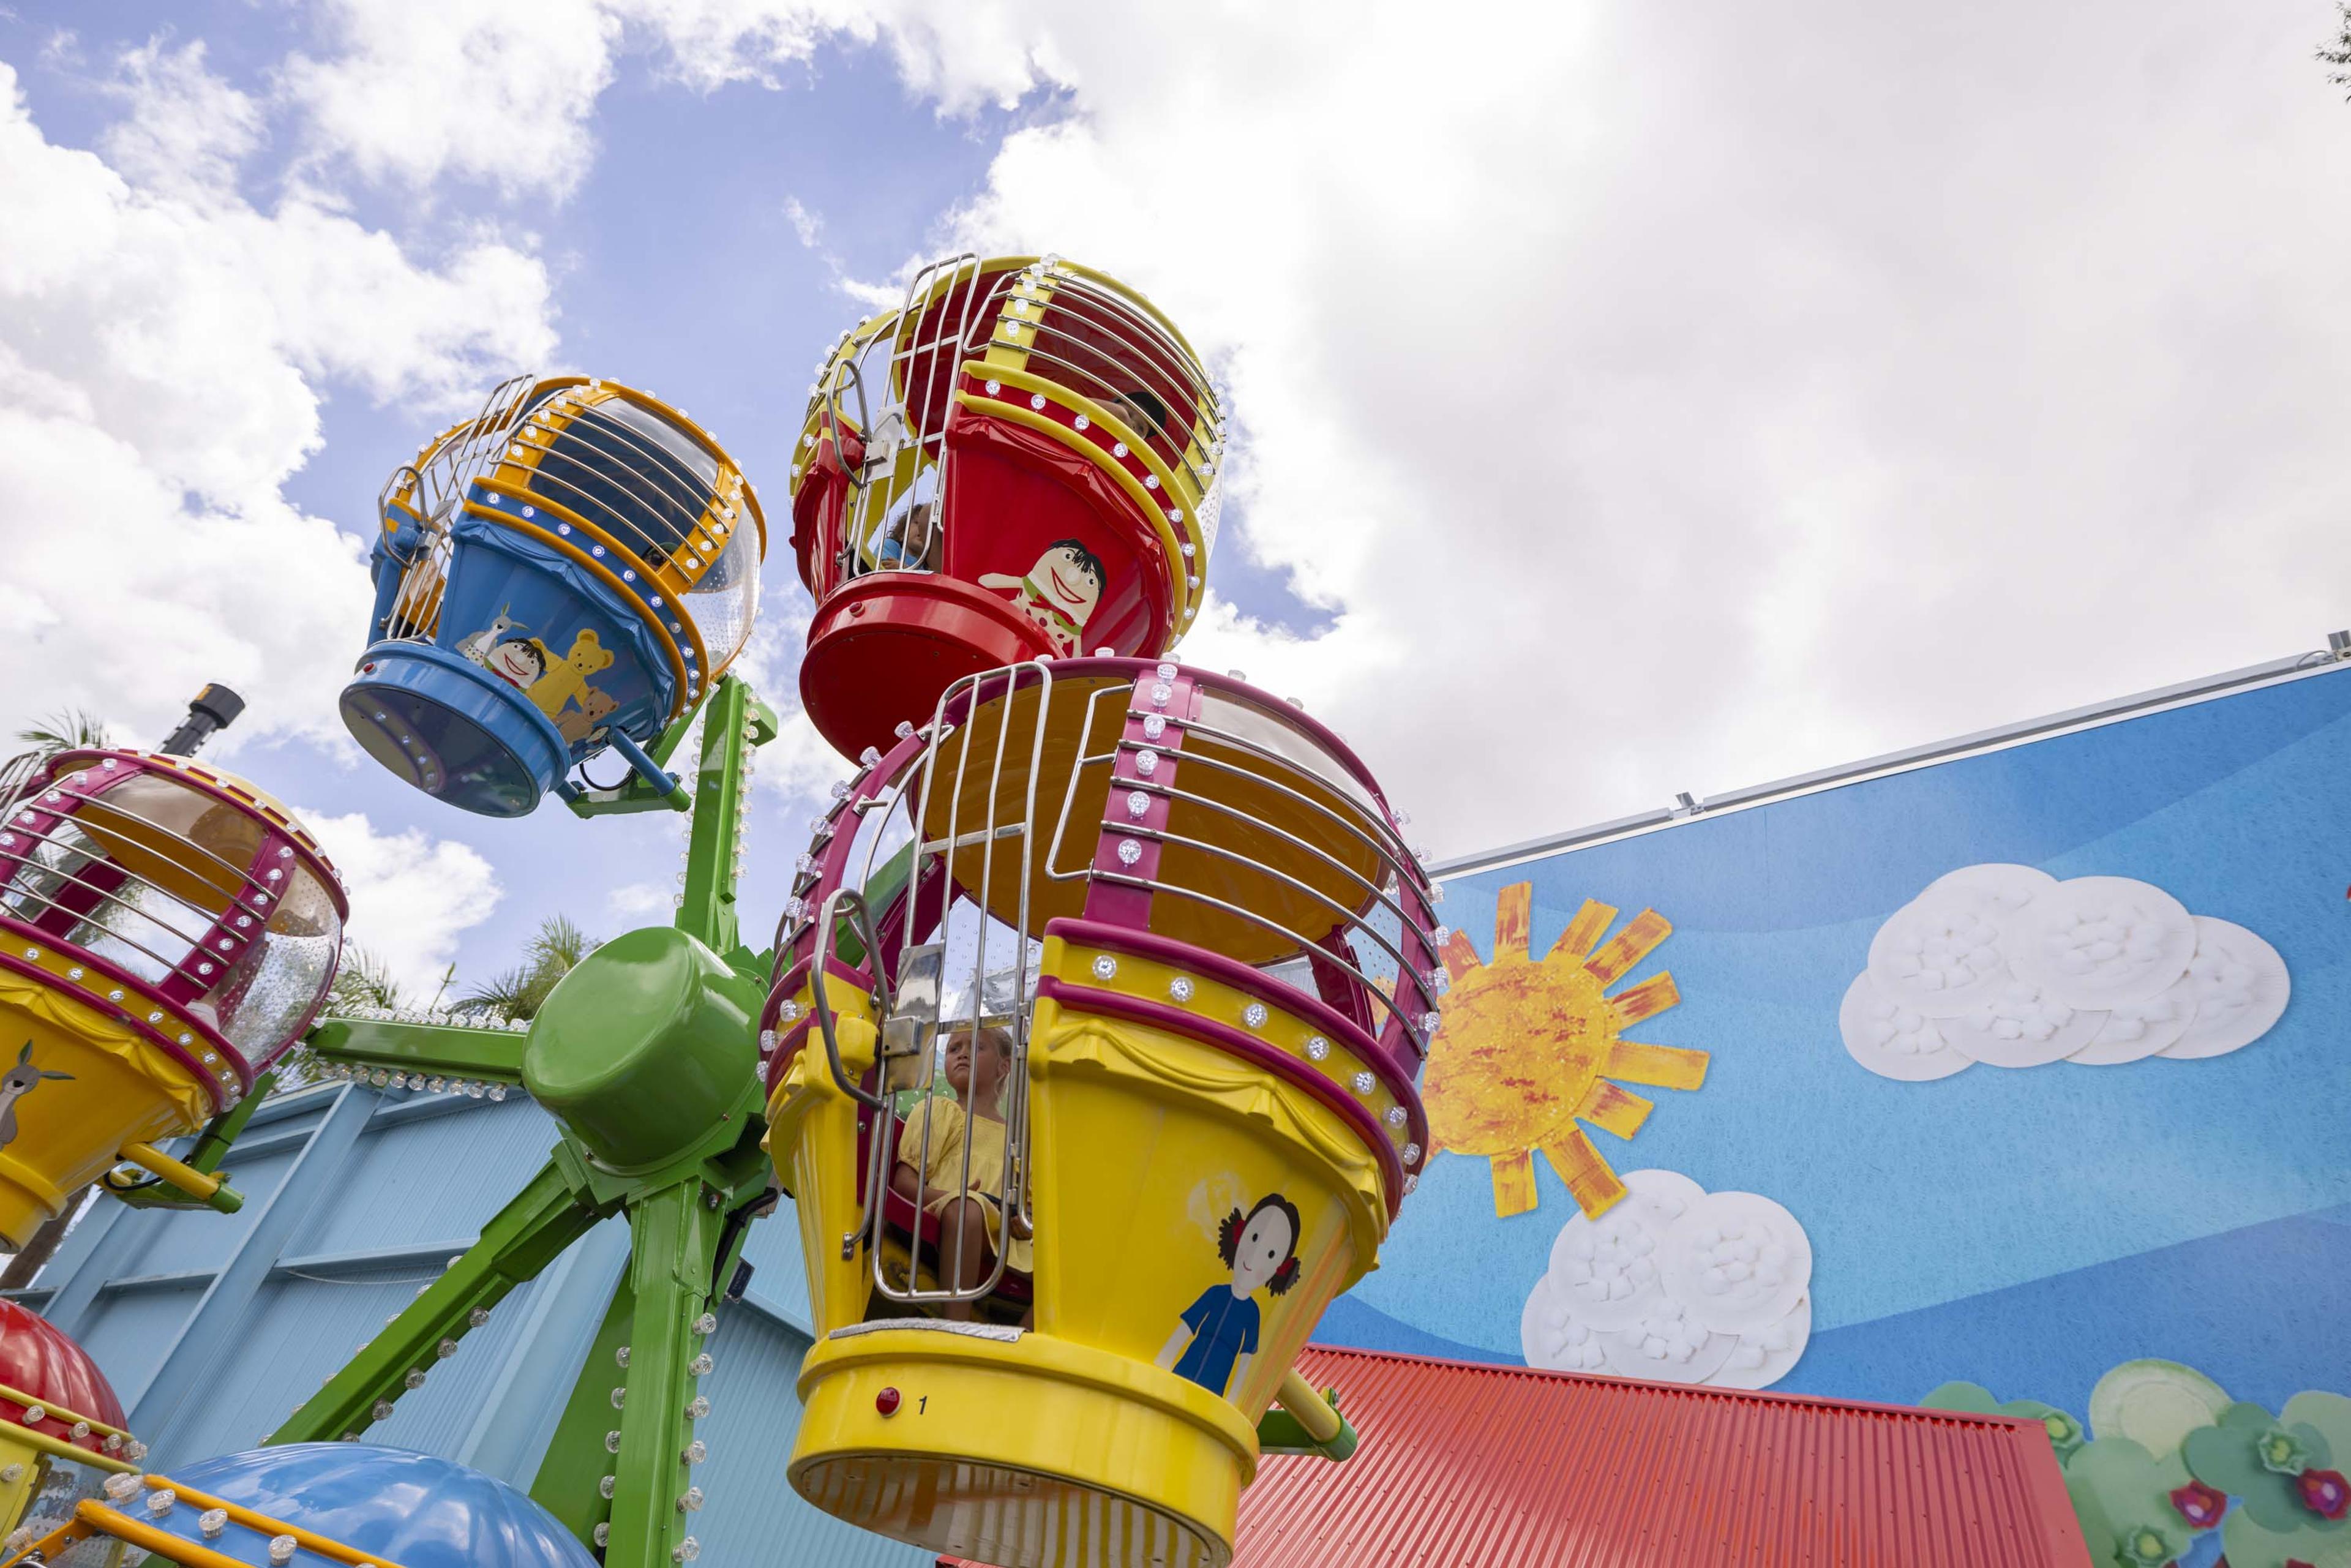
(886, 1401)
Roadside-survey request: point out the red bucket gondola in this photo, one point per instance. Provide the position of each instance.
(1019, 463)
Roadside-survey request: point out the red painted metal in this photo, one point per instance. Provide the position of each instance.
(1468, 1466)
(35, 1359)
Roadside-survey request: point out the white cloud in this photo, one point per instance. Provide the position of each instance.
(1664, 399)
(641, 901)
(1677, 399)
(412, 896)
(163, 345)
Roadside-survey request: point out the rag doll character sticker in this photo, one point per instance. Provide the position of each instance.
(1216, 1335)
(520, 662)
(1059, 594)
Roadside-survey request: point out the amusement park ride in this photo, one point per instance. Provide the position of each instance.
(1085, 1051)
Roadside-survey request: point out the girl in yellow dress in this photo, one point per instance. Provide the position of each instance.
(931, 1172)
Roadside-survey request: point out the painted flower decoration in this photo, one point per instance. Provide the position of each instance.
(2325, 1492)
(2281, 1452)
(2199, 1505)
(2147, 1548)
(2065, 1433)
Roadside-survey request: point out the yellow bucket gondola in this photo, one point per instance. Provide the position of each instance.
(166, 932)
(1187, 908)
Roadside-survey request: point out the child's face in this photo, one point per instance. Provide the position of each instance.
(973, 1071)
(1264, 1244)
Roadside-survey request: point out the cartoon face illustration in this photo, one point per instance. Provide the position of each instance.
(477, 646)
(1216, 1337)
(1267, 1245)
(1070, 578)
(15, 1085)
(1059, 594)
(519, 661)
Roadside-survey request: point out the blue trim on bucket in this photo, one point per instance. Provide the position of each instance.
(408, 675)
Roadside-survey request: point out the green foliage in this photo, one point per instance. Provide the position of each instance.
(2170, 1455)
(68, 729)
(518, 994)
(2338, 54)
(361, 980)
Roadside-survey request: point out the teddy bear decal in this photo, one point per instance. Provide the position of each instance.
(558, 688)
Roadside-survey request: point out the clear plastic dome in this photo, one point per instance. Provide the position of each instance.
(725, 601)
(202, 901)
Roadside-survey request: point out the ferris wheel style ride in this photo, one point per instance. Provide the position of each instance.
(1085, 1049)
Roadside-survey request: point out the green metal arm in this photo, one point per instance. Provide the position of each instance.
(212, 1146)
(439, 1051)
(555, 1210)
(1279, 1432)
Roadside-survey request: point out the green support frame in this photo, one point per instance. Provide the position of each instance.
(618, 1468)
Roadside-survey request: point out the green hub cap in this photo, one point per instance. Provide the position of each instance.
(644, 1047)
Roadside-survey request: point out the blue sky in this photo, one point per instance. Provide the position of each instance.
(1667, 402)
(678, 265)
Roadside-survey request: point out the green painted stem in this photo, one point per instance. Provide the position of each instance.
(554, 1211)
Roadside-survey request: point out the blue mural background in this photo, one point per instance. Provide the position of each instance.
(2025, 1230)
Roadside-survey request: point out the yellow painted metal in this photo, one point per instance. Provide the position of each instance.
(1077, 1442)
(119, 1087)
(101, 1519)
(813, 1138)
(309, 1541)
(1315, 1413)
(173, 1173)
(55, 1448)
(18, 1397)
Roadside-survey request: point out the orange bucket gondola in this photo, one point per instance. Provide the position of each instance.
(1018, 463)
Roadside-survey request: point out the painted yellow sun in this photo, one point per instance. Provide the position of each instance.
(1528, 1049)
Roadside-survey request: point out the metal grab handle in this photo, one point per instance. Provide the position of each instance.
(863, 919)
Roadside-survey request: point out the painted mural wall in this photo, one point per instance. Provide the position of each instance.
(2029, 1072)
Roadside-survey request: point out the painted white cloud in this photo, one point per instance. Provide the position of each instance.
(164, 345)
(1677, 1285)
(2005, 965)
(412, 896)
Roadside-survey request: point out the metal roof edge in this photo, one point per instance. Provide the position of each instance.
(1705, 1393)
(2292, 666)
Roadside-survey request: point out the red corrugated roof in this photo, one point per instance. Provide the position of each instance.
(1468, 1466)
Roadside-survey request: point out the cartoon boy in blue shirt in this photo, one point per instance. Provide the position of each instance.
(1213, 1343)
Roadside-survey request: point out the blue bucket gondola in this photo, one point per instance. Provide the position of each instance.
(568, 570)
(304, 1505)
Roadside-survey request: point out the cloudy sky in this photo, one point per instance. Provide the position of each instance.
(1631, 398)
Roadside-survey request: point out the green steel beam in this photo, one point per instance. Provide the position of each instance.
(442, 1050)
(212, 1146)
(580, 1454)
(734, 721)
(550, 1214)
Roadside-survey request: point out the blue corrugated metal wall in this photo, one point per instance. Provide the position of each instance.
(215, 1327)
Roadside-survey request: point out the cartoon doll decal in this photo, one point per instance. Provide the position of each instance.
(15, 1085)
(1059, 594)
(1213, 1343)
(476, 648)
(519, 661)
